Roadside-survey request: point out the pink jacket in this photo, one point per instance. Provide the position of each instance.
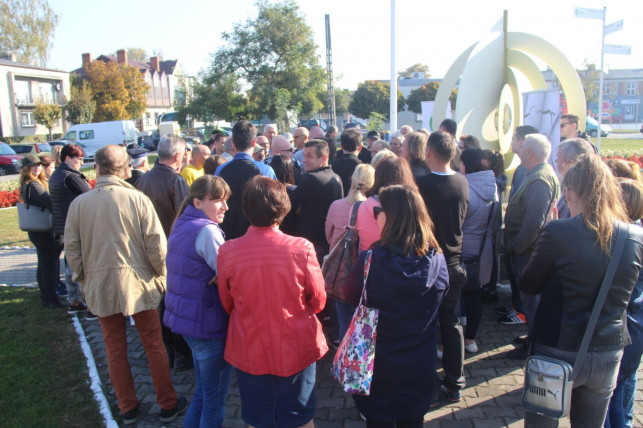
(337, 219)
(366, 225)
(271, 285)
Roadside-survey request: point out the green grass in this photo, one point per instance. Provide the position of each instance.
(44, 379)
(625, 131)
(10, 234)
(621, 144)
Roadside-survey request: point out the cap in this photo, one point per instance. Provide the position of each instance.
(258, 148)
(31, 160)
(373, 134)
(138, 152)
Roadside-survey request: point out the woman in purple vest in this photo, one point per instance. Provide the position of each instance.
(193, 308)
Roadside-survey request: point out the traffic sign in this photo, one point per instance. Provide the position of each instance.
(606, 114)
(606, 106)
(583, 12)
(618, 49)
(614, 27)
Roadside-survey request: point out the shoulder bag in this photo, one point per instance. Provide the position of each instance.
(32, 218)
(549, 381)
(337, 265)
(355, 357)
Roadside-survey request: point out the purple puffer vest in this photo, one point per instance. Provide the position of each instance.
(192, 306)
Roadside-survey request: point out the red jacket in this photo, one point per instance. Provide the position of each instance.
(271, 285)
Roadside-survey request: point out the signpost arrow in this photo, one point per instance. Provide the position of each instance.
(614, 27)
(618, 49)
(583, 12)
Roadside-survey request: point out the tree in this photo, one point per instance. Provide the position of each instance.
(26, 28)
(47, 115)
(120, 92)
(415, 68)
(137, 54)
(376, 122)
(212, 100)
(273, 57)
(342, 99)
(590, 80)
(81, 107)
(373, 96)
(427, 92)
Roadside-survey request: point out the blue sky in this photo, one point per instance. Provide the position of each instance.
(430, 32)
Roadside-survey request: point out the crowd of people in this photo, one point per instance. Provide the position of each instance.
(218, 261)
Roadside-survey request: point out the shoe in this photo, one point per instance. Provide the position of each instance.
(519, 353)
(130, 417)
(61, 289)
(90, 316)
(513, 318)
(504, 310)
(520, 340)
(171, 414)
(452, 396)
(74, 309)
(471, 347)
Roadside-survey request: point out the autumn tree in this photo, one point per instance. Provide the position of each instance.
(26, 28)
(81, 107)
(273, 56)
(47, 115)
(427, 92)
(120, 91)
(373, 96)
(415, 68)
(590, 80)
(137, 54)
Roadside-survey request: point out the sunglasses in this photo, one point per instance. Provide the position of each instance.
(377, 211)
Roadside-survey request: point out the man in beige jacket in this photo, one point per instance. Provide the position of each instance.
(116, 246)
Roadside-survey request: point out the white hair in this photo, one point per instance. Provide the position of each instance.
(136, 162)
(539, 144)
(270, 126)
(169, 146)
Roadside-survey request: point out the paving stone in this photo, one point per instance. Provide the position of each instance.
(468, 413)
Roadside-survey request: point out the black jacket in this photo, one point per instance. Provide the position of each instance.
(136, 174)
(568, 267)
(64, 185)
(344, 166)
(237, 173)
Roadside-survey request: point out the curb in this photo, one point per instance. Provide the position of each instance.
(20, 285)
(17, 248)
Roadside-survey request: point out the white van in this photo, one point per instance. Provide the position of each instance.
(93, 136)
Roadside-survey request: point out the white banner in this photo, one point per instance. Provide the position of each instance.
(542, 111)
(427, 115)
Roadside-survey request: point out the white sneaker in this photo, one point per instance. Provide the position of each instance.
(471, 347)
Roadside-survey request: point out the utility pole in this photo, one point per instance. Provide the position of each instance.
(329, 72)
(393, 85)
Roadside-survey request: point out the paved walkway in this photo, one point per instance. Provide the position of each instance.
(491, 398)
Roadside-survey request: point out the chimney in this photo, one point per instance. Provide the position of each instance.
(154, 62)
(87, 59)
(121, 56)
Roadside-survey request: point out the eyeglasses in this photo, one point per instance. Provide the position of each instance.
(288, 150)
(377, 211)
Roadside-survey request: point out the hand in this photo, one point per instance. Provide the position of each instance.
(214, 281)
(553, 214)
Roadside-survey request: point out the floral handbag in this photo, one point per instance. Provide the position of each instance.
(353, 362)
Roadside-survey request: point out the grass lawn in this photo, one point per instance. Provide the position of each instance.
(10, 234)
(44, 379)
(621, 144)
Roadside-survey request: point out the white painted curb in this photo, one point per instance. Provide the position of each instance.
(99, 396)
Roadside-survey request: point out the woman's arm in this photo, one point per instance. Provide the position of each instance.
(541, 264)
(224, 284)
(37, 195)
(315, 285)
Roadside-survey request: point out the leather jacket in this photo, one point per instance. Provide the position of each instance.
(568, 267)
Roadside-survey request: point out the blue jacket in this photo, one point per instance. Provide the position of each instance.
(192, 306)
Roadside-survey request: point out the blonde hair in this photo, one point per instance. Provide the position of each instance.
(624, 169)
(55, 153)
(599, 195)
(416, 146)
(633, 198)
(27, 177)
(361, 182)
(384, 153)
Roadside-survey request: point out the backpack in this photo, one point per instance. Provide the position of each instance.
(337, 265)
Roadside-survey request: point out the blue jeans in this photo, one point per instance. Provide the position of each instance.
(73, 288)
(345, 313)
(621, 409)
(593, 386)
(207, 408)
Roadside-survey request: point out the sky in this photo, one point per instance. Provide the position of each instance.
(430, 32)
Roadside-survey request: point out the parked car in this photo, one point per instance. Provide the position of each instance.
(57, 143)
(309, 123)
(31, 148)
(9, 160)
(93, 136)
(591, 128)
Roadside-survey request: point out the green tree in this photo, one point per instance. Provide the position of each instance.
(590, 80)
(47, 115)
(376, 122)
(26, 28)
(218, 97)
(137, 54)
(342, 99)
(415, 68)
(120, 91)
(427, 92)
(373, 96)
(273, 55)
(81, 107)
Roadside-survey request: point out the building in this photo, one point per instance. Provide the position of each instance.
(166, 80)
(21, 87)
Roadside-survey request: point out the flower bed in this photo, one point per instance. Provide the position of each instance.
(9, 198)
(638, 159)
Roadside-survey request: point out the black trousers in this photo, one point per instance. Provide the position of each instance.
(47, 272)
(451, 331)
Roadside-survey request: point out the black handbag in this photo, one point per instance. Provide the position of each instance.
(32, 218)
(472, 266)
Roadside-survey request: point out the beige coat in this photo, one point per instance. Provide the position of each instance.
(115, 244)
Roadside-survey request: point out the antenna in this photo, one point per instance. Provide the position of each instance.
(329, 72)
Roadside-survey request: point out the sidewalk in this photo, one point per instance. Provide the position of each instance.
(491, 398)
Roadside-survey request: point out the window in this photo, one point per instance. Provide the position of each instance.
(46, 92)
(629, 112)
(22, 90)
(86, 135)
(606, 89)
(26, 119)
(631, 88)
(44, 147)
(71, 136)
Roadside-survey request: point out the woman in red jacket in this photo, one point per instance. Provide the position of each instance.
(271, 285)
